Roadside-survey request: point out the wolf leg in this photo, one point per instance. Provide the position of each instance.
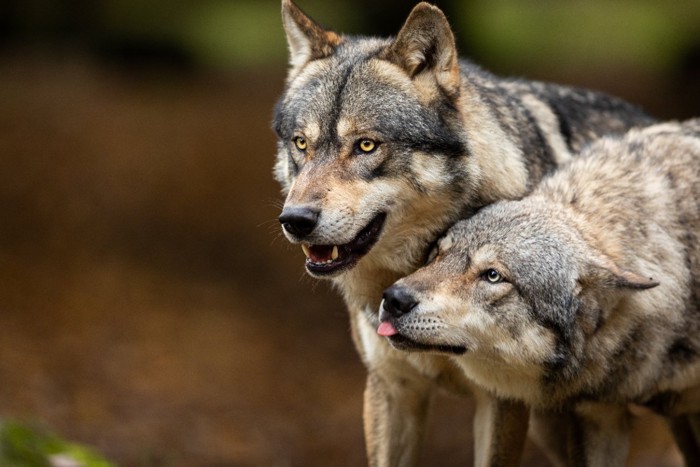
(395, 414)
(686, 433)
(500, 428)
(549, 430)
(599, 436)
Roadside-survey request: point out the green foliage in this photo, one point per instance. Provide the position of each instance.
(579, 34)
(236, 34)
(247, 32)
(27, 446)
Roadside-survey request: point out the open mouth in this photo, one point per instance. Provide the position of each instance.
(324, 260)
(402, 342)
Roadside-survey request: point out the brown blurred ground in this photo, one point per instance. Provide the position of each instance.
(148, 305)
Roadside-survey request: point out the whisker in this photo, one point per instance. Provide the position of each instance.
(272, 222)
(303, 277)
(275, 203)
(275, 238)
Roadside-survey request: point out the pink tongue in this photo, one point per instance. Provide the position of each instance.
(386, 329)
(320, 253)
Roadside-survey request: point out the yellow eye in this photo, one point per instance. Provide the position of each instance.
(300, 143)
(367, 145)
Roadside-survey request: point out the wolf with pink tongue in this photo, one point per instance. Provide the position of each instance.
(383, 143)
(581, 298)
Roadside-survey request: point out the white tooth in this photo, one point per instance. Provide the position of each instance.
(334, 254)
(305, 248)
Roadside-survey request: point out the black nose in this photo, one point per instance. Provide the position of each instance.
(299, 221)
(398, 301)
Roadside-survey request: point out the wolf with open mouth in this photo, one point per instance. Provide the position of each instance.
(385, 143)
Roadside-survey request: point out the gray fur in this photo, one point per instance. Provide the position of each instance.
(450, 139)
(598, 305)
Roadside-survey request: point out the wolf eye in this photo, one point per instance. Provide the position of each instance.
(366, 145)
(300, 143)
(493, 276)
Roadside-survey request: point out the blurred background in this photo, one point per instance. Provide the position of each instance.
(149, 307)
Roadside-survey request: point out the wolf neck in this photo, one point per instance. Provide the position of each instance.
(496, 162)
(362, 287)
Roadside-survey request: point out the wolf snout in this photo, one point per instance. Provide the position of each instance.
(398, 301)
(299, 221)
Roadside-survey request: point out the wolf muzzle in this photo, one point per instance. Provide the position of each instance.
(397, 302)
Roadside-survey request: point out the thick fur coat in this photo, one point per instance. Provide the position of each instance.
(583, 296)
(385, 143)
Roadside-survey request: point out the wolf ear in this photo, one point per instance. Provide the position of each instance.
(306, 39)
(426, 44)
(604, 273)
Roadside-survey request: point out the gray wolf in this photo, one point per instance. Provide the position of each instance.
(383, 143)
(584, 296)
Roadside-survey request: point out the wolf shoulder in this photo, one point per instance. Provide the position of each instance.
(580, 114)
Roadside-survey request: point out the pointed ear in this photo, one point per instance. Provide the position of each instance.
(604, 273)
(306, 39)
(631, 280)
(426, 44)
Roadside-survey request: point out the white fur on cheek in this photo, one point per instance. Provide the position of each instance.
(429, 170)
(532, 347)
(281, 171)
(480, 330)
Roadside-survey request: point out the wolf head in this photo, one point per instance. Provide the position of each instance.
(369, 139)
(516, 289)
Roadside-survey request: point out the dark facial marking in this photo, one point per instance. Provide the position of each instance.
(682, 351)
